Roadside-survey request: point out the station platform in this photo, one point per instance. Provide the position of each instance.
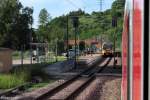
(61, 68)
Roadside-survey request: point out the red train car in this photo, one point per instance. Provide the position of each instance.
(133, 50)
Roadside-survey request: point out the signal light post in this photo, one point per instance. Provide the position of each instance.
(75, 21)
(114, 24)
(67, 38)
(30, 42)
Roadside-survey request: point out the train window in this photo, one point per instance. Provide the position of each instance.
(107, 46)
(126, 57)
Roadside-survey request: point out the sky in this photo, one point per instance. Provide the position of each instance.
(59, 7)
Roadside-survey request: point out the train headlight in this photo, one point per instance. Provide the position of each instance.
(103, 51)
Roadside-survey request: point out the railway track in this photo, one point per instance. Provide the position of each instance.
(14, 91)
(20, 89)
(76, 85)
(73, 87)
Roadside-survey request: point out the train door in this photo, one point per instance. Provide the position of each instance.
(125, 57)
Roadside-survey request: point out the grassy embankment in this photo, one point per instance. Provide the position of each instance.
(17, 55)
(25, 73)
(21, 75)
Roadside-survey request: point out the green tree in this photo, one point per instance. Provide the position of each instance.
(43, 30)
(44, 17)
(22, 27)
(14, 23)
(90, 25)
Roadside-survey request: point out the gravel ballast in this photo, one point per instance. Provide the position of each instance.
(103, 88)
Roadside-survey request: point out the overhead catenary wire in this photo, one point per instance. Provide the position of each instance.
(100, 10)
(85, 3)
(100, 3)
(69, 1)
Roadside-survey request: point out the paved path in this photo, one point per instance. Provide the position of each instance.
(61, 67)
(86, 60)
(25, 61)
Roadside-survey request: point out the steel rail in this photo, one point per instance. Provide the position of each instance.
(90, 80)
(21, 87)
(77, 91)
(80, 88)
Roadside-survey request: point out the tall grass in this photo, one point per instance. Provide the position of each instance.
(17, 54)
(20, 75)
(8, 81)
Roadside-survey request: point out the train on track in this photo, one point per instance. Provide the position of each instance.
(107, 49)
(134, 48)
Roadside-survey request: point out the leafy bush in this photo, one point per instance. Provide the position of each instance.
(12, 80)
(16, 53)
(21, 75)
(32, 70)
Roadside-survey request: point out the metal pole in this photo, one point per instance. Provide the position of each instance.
(67, 40)
(100, 10)
(37, 54)
(75, 47)
(30, 47)
(78, 44)
(56, 51)
(75, 25)
(30, 54)
(21, 55)
(101, 44)
(91, 50)
(114, 48)
(114, 24)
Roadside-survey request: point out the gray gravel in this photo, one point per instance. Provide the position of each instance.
(103, 88)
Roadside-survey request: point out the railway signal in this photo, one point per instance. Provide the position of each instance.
(67, 38)
(75, 21)
(114, 24)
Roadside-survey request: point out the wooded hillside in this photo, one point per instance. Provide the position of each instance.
(90, 25)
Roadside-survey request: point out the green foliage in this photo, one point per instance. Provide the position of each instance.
(17, 54)
(60, 46)
(44, 17)
(61, 58)
(15, 22)
(32, 70)
(43, 30)
(90, 25)
(12, 80)
(20, 75)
